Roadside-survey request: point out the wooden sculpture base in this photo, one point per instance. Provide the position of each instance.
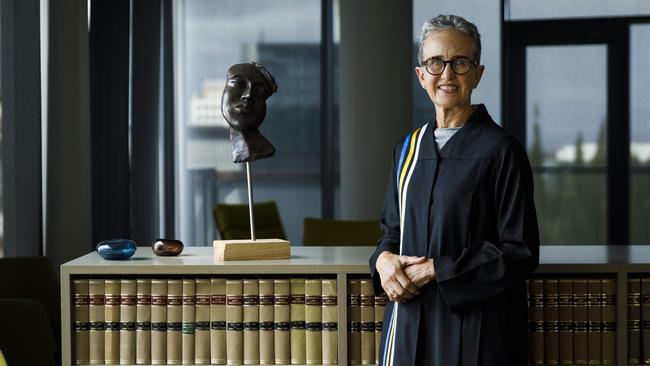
(259, 249)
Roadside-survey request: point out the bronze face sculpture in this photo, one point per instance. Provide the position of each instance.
(243, 105)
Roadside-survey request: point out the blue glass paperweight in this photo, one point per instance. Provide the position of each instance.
(116, 249)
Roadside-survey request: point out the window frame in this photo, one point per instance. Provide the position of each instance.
(613, 32)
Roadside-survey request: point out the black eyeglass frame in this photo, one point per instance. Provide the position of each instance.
(451, 62)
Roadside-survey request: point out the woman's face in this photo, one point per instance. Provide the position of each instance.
(449, 90)
(243, 102)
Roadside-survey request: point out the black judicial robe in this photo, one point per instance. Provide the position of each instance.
(470, 207)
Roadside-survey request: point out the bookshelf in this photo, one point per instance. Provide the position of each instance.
(344, 263)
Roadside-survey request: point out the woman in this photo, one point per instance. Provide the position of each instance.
(459, 225)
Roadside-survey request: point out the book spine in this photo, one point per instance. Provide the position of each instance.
(354, 322)
(282, 321)
(580, 352)
(298, 321)
(380, 306)
(330, 322)
(644, 321)
(313, 322)
(234, 322)
(218, 321)
(537, 320)
(202, 333)
(551, 327)
(367, 323)
(127, 322)
(174, 321)
(266, 322)
(143, 322)
(251, 315)
(594, 318)
(158, 322)
(80, 322)
(97, 325)
(634, 321)
(565, 318)
(529, 306)
(608, 325)
(188, 321)
(112, 318)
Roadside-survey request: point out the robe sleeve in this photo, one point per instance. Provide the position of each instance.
(486, 269)
(390, 225)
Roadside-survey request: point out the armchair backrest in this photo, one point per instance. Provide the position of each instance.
(233, 222)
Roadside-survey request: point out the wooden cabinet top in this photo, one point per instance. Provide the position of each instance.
(353, 259)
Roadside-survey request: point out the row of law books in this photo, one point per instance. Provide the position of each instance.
(638, 321)
(572, 321)
(365, 319)
(205, 321)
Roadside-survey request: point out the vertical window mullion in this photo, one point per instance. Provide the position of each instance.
(618, 136)
(326, 109)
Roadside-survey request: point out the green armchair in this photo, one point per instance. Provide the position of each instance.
(30, 312)
(340, 232)
(233, 222)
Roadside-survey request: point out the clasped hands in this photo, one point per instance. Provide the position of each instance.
(402, 276)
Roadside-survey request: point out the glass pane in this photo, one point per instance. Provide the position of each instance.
(571, 208)
(486, 15)
(550, 9)
(566, 105)
(566, 141)
(210, 37)
(639, 134)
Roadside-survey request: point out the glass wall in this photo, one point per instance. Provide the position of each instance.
(210, 36)
(566, 113)
(639, 134)
(487, 17)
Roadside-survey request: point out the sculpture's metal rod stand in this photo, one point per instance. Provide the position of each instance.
(250, 198)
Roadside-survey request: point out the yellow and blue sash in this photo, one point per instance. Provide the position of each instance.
(407, 161)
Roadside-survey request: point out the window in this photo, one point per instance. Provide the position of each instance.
(284, 36)
(566, 110)
(584, 123)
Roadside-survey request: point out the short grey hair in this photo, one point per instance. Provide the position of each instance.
(450, 22)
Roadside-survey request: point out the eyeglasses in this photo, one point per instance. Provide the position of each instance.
(460, 66)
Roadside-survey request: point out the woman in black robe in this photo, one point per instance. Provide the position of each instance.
(459, 225)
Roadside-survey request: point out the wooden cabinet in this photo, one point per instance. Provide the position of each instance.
(342, 263)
